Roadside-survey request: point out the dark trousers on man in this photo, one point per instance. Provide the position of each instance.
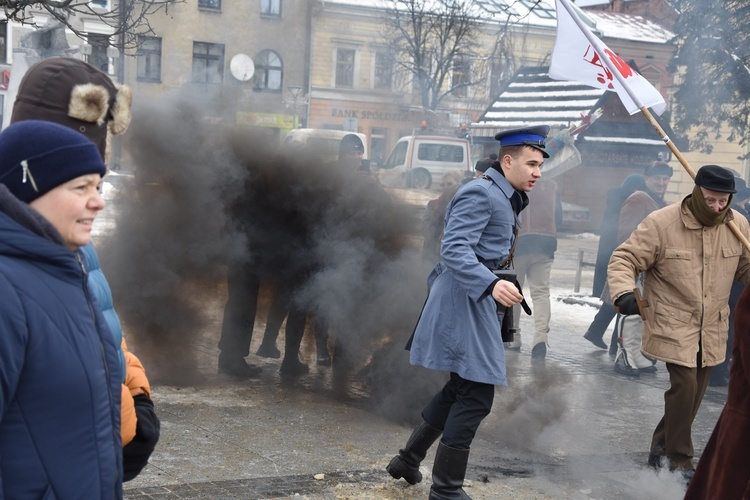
(602, 319)
(243, 286)
(458, 409)
(673, 435)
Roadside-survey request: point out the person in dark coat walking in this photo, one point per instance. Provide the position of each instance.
(607, 243)
(459, 330)
(723, 470)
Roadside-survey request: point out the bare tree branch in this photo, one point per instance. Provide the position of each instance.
(437, 44)
(128, 18)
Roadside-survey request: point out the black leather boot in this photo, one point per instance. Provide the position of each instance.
(448, 473)
(406, 463)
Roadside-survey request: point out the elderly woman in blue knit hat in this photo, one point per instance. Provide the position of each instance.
(60, 373)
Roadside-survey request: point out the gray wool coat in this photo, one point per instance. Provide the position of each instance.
(459, 329)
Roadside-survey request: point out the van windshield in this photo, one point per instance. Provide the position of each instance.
(397, 156)
(440, 152)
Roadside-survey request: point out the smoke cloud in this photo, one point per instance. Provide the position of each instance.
(208, 198)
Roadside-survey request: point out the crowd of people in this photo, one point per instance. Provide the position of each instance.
(76, 414)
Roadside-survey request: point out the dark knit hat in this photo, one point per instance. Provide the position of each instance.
(482, 165)
(75, 94)
(715, 178)
(658, 168)
(351, 142)
(37, 156)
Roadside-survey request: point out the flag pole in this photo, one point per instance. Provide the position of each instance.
(596, 43)
(683, 161)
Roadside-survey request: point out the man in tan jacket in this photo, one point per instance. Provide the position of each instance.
(689, 258)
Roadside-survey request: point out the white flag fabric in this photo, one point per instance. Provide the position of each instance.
(580, 56)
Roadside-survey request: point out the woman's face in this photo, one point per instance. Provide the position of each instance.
(72, 207)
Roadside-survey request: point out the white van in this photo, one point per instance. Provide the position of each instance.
(324, 142)
(419, 161)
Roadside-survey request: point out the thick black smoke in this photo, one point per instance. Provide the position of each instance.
(205, 196)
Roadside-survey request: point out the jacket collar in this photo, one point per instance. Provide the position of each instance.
(518, 199)
(26, 234)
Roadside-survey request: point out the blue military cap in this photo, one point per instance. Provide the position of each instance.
(527, 136)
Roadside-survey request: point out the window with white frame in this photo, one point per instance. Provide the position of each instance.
(460, 77)
(416, 81)
(270, 7)
(345, 67)
(148, 58)
(383, 70)
(268, 71)
(3, 43)
(98, 57)
(208, 62)
(209, 4)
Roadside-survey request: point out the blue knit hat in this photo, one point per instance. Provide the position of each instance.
(37, 156)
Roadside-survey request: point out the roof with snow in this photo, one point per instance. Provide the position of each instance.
(628, 27)
(532, 98)
(542, 13)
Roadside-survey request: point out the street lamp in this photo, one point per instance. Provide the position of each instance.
(296, 91)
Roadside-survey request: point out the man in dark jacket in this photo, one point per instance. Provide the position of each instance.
(632, 211)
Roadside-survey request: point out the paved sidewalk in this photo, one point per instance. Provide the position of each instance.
(570, 429)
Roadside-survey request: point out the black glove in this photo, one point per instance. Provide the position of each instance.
(627, 304)
(136, 453)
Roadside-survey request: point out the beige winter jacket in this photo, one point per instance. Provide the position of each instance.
(689, 270)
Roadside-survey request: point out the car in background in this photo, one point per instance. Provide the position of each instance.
(324, 143)
(420, 161)
(575, 217)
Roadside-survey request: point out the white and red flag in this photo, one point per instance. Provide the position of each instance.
(580, 56)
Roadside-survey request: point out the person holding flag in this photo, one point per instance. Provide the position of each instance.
(689, 259)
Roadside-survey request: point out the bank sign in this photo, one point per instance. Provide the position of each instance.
(364, 114)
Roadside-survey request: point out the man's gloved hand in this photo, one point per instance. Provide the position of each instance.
(627, 305)
(135, 454)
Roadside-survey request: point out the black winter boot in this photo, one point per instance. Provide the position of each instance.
(406, 463)
(448, 473)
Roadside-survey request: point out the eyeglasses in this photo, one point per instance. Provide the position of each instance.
(447, 184)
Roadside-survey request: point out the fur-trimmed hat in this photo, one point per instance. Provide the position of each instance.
(37, 156)
(75, 94)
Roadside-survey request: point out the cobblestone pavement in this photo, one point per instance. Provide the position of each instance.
(571, 428)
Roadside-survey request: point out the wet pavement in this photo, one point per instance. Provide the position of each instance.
(570, 428)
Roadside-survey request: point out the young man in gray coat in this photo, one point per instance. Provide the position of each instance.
(459, 330)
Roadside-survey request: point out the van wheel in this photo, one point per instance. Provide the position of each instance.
(421, 179)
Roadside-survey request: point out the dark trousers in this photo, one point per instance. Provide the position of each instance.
(603, 318)
(673, 435)
(458, 409)
(282, 306)
(243, 286)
